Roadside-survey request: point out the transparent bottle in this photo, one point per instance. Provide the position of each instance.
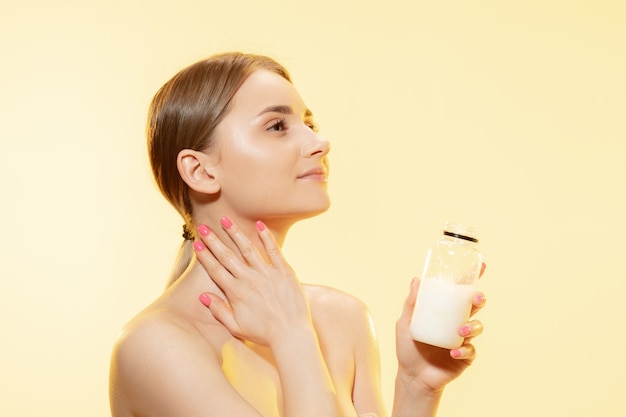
(448, 283)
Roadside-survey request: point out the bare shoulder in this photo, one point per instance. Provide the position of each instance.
(151, 332)
(150, 358)
(320, 296)
(156, 331)
(334, 308)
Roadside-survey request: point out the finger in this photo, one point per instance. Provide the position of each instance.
(409, 302)
(272, 249)
(478, 302)
(221, 310)
(218, 273)
(245, 246)
(220, 252)
(482, 269)
(471, 329)
(466, 352)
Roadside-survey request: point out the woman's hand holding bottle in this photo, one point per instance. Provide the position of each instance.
(431, 366)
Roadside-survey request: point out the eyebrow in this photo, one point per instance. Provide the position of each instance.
(284, 110)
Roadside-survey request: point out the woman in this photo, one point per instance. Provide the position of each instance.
(236, 151)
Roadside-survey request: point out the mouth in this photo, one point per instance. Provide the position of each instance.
(315, 174)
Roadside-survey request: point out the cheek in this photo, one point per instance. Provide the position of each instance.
(269, 158)
(253, 159)
(250, 170)
(242, 148)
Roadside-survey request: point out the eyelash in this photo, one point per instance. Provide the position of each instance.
(279, 125)
(313, 126)
(274, 124)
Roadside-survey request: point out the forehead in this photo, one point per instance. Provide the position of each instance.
(263, 89)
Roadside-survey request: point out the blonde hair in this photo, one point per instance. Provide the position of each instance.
(184, 114)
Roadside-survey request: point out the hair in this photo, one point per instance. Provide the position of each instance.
(184, 114)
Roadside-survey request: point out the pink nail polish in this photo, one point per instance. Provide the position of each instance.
(465, 331)
(260, 226)
(203, 230)
(479, 299)
(226, 222)
(456, 353)
(205, 299)
(198, 246)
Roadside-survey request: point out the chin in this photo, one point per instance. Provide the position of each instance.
(317, 212)
(309, 212)
(322, 207)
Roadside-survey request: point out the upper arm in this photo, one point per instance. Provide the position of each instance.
(161, 370)
(367, 395)
(347, 326)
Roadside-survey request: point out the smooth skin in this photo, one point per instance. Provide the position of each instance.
(267, 345)
(257, 294)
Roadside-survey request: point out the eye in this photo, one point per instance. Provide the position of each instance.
(312, 125)
(277, 125)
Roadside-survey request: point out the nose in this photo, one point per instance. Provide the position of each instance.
(315, 145)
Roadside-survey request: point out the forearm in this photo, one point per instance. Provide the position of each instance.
(412, 399)
(307, 387)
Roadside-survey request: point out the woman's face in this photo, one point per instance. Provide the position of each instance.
(271, 162)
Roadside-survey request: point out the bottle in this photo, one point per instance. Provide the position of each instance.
(448, 283)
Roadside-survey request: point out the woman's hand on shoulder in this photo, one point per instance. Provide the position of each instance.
(264, 299)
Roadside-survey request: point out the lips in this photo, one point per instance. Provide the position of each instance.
(317, 174)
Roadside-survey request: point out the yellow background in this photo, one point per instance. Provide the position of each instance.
(508, 115)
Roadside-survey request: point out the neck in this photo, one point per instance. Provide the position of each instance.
(195, 280)
(278, 228)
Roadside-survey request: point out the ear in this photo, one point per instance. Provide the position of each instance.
(197, 170)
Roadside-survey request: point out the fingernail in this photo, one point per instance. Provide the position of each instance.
(226, 222)
(203, 230)
(205, 299)
(198, 246)
(479, 299)
(456, 353)
(260, 226)
(465, 330)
